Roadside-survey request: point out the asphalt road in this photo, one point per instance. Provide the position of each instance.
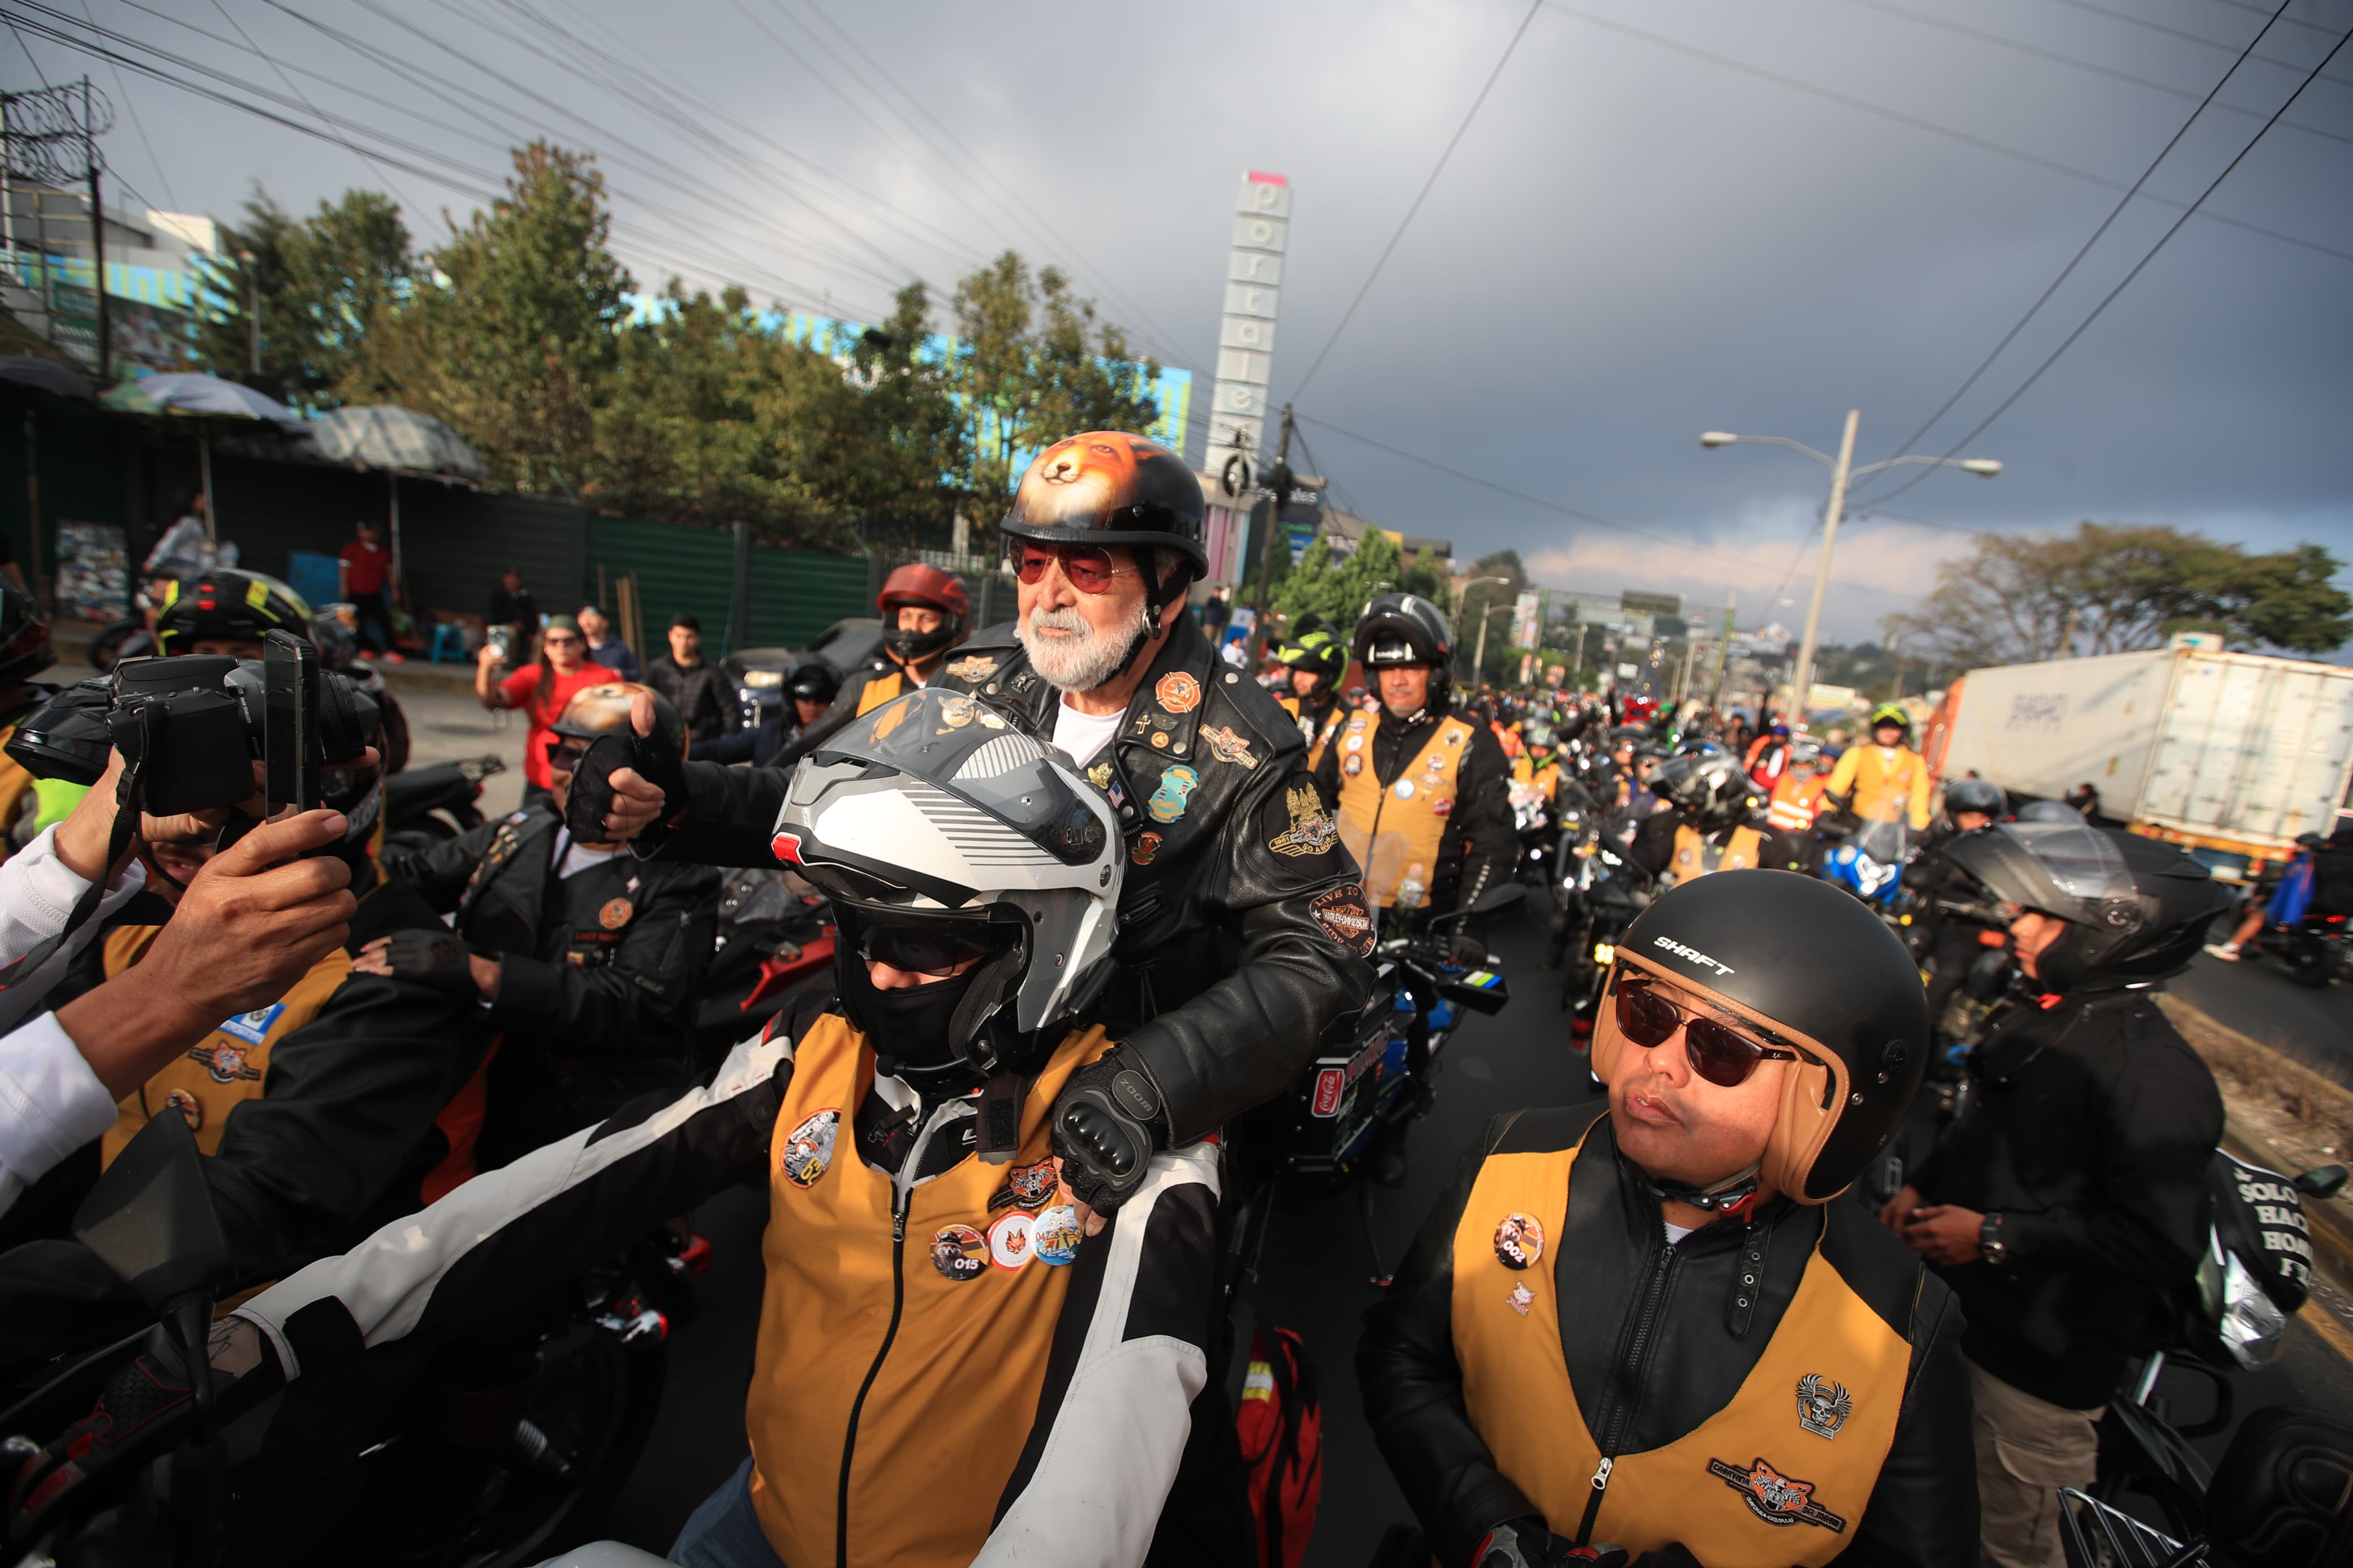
(1315, 1280)
(2260, 1001)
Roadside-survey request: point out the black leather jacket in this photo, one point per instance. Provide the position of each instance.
(1240, 937)
(597, 972)
(1924, 1511)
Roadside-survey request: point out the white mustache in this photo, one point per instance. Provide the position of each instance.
(1064, 620)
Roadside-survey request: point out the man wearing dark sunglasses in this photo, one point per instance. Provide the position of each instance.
(583, 960)
(1243, 928)
(1655, 1328)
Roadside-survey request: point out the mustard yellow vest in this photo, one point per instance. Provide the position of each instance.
(1320, 741)
(227, 1067)
(1395, 833)
(1778, 1477)
(15, 785)
(1696, 856)
(881, 690)
(1546, 778)
(952, 1290)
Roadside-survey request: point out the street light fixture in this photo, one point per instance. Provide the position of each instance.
(1479, 659)
(1842, 471)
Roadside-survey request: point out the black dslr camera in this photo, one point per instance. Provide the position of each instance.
(190, 728)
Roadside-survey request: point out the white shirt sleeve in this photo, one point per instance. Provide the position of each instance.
(50, 1104)
(37, 892)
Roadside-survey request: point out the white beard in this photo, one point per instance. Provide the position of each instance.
(1079, 663)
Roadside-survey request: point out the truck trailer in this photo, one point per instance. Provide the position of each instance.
(2230, 754)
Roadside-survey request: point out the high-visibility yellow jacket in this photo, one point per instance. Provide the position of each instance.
(1884, 786)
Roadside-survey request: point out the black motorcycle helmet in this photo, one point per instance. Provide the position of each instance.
(1405, 629)
(2137, 908)
(1707, 787)
(24, 649)
(2053, 811)
(813, 682)
(1981, 796)
(228, 606)
(1818, 970)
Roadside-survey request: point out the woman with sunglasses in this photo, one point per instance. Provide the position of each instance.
(583, 959)
(541, 689)
(951, 1367)
(1652, 1327)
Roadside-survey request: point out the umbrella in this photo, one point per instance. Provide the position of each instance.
(200, 394)
(47, 374)
(396, 440)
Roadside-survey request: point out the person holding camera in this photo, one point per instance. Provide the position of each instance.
(579, 961)
(541, 689)
(319, 1104)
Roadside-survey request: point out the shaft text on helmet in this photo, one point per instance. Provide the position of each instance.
(1695, 954)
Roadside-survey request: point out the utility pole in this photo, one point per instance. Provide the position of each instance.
(97, 242)
(1802, 678)
(1723, 649)
(1279, 498)
(253, 321)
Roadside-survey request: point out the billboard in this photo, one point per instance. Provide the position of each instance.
(1237, 424)
(1670, 604)
(1527, 621)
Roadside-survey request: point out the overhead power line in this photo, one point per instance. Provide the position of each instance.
(2036, 51)
(2143, 22)
(1556, 507)
(1426, 185)
(1865, 106)
(2077, 259)
(2069, 342)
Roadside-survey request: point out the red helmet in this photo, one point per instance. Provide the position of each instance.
(933, 589)
(916, 583)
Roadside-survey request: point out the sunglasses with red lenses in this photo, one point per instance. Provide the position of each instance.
(1088, 566)
(1721, 1054)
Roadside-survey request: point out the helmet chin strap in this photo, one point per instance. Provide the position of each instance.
(1164, 594)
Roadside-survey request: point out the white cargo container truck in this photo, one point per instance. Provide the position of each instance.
(2233, 754)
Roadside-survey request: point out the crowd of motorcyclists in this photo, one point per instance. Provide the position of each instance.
(1098, 903)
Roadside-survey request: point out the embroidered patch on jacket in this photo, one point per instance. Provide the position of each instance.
(253, 1027)
(615, 914)
(223, 1060)
(1774, 1498)
(1345, 916)
(1024, 1186)
(1311, 831)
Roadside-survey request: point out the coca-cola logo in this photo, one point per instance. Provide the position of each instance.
(1329, 1084)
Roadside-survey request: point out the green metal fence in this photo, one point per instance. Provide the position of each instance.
(788, 595)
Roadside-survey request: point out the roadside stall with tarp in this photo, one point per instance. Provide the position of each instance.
(397, 441)
(204, 398)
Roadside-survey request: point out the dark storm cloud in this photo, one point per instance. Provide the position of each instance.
(1630, 244)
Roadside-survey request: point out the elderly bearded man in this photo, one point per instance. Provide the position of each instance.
(1243, 927)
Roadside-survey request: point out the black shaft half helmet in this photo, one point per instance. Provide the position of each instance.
(1814, 968)
(934, 810)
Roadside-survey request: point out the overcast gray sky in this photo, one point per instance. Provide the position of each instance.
(1742, 215)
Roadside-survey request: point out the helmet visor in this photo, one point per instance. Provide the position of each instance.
(2084, 877)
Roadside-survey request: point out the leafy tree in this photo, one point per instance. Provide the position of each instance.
(1031, 365)
(516, 341)
(1492, 602)
(316, 288)
(1335, 589)
(712, 416)
(2113, 588)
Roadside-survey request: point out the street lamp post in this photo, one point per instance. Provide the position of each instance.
(1842, 472)
(1479, 659)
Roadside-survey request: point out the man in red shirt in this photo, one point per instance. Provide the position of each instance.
(541, 689)
(367, 567)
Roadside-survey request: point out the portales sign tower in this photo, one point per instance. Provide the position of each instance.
(1238, 410)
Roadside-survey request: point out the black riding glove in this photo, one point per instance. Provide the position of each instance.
(435, 957)
(656, 758)
(1107, 1124)
(1526, 1543)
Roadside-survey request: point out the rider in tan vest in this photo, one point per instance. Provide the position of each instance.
(1316, 660)
(1425, 805)
(1714, 820)
(1652, 1327)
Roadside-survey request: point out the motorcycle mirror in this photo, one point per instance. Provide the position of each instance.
(2325, 1182)
(150, 1219)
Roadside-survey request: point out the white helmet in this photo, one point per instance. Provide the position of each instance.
(950, 840)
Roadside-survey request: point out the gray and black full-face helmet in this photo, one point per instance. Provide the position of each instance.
(955, 847)
(2137, 908)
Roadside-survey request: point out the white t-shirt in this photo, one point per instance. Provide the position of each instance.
(571, 858)
(1675, 1233)
(1078, 736)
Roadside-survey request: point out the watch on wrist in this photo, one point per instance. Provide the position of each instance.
(1991, 1247)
